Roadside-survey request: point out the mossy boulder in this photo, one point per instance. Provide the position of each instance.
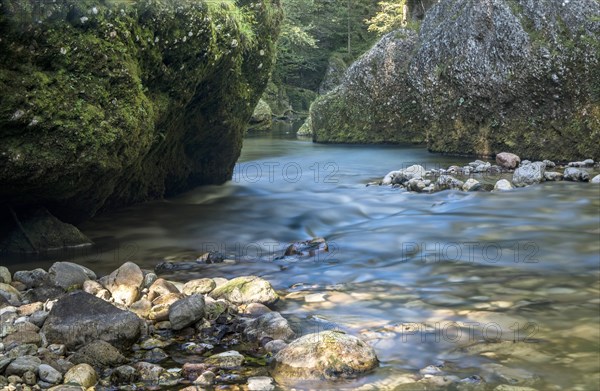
(482, 77)
(106, 103)
(327, 355)
(261, 119)
(375, 103)
(516, 75)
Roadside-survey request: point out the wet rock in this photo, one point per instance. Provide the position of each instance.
(67, 387)
(186, 311)
(148, 371)
(260, 383)
(199, 286)
(508, 160)
(416, 185)
(211, 257)
(576, 175)
(98, 354)
(20, 365)
(124, 283)
(206, 379)
(43, 293)
(471, 185)
(29, 378)
(5, 276)
(324, 355)
(161, 287)
(124, 374)
(80, 318)
(595, 179)
(247, 289)
(271, 325)
(11, 295)
(585, 163)
(447, 182)
(22, 336)
(529, 174)
(70, 275)
(507, 387)
(493, 372)
(82, 374)
(261, 118)
(553, 176)
(149, 279)
(549, 163)
(400, 177)
(307, 248)
(275, 346)
(48, 374)
(226, 360)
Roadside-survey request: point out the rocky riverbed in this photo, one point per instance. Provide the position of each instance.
(506, 173)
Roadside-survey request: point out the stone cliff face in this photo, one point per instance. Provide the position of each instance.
(105, 104)
(492, 75)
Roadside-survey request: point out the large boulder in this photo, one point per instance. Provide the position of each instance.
(80, 318)
(111, 103)
(261, 119)
(482, 77)
(515, 75)
(375, 102)
(324, 355)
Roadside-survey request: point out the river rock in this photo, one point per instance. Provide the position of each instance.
(32, 278)
(493, 372)
(324, 355)
(49, 374)
(226, 360)
(125, 283)
(576, 175)
(80, 318)
(508, 160)
(148, 371)
(82, 374)
(245, 290)
(471, 185)
(98, 354)
(595, 179)
(206, 379)
(553, 176)
(447, 182)
(70, 275)
(402, 176)
(261, 119)
(161, 287)
(124, 374)
(508, 387)
(11, 295)
(270, 325)
(529, 174)
(22, 364)
(186, 311)
(585, 163)
(260, 383)
(201, 286)
(5, 276)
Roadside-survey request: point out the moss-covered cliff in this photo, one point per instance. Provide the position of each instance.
(107, 103)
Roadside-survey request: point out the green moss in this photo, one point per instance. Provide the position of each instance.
(107, 104)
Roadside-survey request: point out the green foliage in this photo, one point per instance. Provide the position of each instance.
(390, 16)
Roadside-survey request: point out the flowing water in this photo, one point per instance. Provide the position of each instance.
(467, 279)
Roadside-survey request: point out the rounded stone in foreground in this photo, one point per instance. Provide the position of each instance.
(327, 355)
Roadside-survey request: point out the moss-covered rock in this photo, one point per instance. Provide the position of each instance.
(107, 103)
(485, 77)
(511, 75)
(246, 289)
(327, 355)
(261, 119)
(375, 103)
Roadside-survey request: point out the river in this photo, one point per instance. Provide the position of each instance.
(422, 277)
